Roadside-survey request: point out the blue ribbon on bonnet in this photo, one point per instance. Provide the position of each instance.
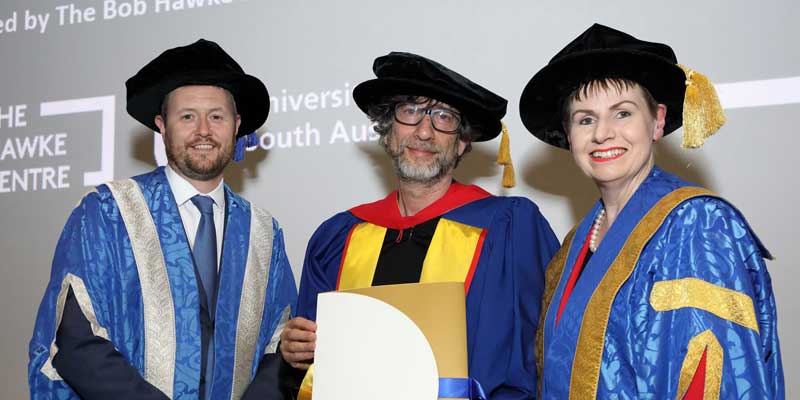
(242, 143)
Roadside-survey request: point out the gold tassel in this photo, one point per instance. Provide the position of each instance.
(702, 112)
(504, 154)
(504, 159)
(508, 176)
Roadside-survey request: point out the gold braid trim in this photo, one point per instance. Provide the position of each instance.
(589, 350)
(705, 341)
(725, 303)
(552, 276)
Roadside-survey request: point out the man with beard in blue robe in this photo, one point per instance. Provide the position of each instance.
(434, 229)
(169, 284)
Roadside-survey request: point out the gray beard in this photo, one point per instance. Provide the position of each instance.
(421, 174)
(443, 164)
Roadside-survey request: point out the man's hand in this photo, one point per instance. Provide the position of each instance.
(298, 341)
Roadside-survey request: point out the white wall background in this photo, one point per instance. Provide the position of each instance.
(303, 48)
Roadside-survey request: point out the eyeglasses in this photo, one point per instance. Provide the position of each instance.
(443, 120)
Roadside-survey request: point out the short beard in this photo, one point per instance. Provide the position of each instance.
(192, 169)
(443, 163)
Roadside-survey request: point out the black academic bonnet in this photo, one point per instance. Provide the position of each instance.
(200, 63)
(409, 74)
(600, 53)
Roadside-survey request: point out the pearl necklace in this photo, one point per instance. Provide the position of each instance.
(596, 229)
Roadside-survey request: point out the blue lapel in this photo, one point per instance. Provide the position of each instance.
(183, 284)
(232, 268)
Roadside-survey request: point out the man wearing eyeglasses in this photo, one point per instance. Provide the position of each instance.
(434, 229)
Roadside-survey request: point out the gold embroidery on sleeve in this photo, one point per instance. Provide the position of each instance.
(714, 357)
(585, 376)
(725, 303)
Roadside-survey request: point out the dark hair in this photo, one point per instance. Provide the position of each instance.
(618, 84)
(381, 114)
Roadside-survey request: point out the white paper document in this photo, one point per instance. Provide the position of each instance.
(367, 349)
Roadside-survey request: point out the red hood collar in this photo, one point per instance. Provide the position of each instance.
(386, 212)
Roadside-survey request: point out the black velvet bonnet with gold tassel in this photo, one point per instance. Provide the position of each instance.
(601, 53)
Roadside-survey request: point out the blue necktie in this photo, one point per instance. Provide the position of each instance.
(205, 249)
(205, 259)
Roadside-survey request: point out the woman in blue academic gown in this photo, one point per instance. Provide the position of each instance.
(661, 291)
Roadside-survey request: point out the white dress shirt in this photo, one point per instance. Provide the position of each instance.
(183, 191)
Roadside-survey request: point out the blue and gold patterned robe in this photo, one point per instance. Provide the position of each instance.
(125, 255)
(676, 292)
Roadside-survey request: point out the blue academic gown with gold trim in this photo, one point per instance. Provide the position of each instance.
(94, 257)
(504, 282)
(699, 290)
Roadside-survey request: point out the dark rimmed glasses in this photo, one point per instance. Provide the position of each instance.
(443, 120)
